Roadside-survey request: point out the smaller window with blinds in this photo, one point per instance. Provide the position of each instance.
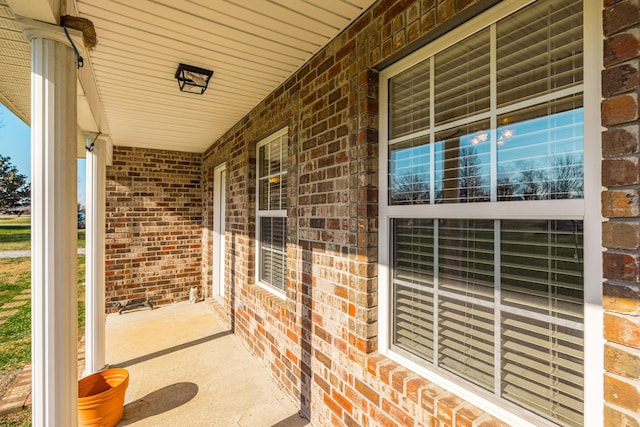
(271, 211)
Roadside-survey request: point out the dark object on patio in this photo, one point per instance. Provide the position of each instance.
(132, 304)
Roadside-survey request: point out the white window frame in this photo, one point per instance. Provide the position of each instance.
(588, 210)
(270, 213)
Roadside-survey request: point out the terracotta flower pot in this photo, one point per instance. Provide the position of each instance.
(101, 397)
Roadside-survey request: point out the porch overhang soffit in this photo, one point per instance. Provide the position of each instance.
(127, 87)
(15, 59)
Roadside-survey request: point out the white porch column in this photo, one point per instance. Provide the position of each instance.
(95, 291)
(53, 227)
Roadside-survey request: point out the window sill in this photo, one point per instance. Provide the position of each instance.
(271, 291)
(441, 404)
(397, 370)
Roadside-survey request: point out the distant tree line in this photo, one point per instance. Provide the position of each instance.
(562, 178)
(15, 191)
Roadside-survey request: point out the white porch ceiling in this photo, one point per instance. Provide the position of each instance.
(251, 45)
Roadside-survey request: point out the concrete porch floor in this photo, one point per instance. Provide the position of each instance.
(187, 368)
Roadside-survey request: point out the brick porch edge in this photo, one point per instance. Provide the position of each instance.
(18, 395)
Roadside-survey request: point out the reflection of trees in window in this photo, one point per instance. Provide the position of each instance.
(470, 178)
(562, 179)
(462, 173)
(568, 177)
(505, 189)
(410, 188)
(532, 183)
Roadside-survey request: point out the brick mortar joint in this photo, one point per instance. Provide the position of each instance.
(635, 156)
(622, 347)
(617, 282)
(633, 61)
(627, 220)
(621, 187)
(632, 381)
(614, 251)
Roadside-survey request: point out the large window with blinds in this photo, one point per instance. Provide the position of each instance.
(483, 167)
(272, 166)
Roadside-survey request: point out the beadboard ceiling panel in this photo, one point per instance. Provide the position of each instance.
(252, 47)
(15, 62)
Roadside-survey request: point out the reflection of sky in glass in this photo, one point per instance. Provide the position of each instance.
(537, 139)
(543, 157)
(410, 159)
(538, 158)
(409, 170)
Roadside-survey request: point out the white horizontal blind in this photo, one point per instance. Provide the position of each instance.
(466, 336)
(542, 267)
(539, 50)
(466, 258)
(462, 79)
(542, 345)
(542, 368)
(497, 302)
(413, 286)
(273, 251)
(409, 101)
(466, 278)
(537, 136)
(272, 174)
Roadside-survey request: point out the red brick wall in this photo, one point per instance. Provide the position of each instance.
(621, 205)
(153, 225)
(320, 342)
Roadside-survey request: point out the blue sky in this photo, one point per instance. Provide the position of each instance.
(15, 142)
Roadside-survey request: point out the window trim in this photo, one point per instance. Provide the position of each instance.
(589, 207)
(270, 213)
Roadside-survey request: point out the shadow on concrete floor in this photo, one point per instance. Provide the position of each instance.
(159, 401)
(175, 348)
(294, 420)
(187, 369)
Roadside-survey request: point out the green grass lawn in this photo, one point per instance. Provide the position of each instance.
(15, 280)
(15, 220)
(15, 333)
(15, 283)
(15, 338)
(15, 234)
